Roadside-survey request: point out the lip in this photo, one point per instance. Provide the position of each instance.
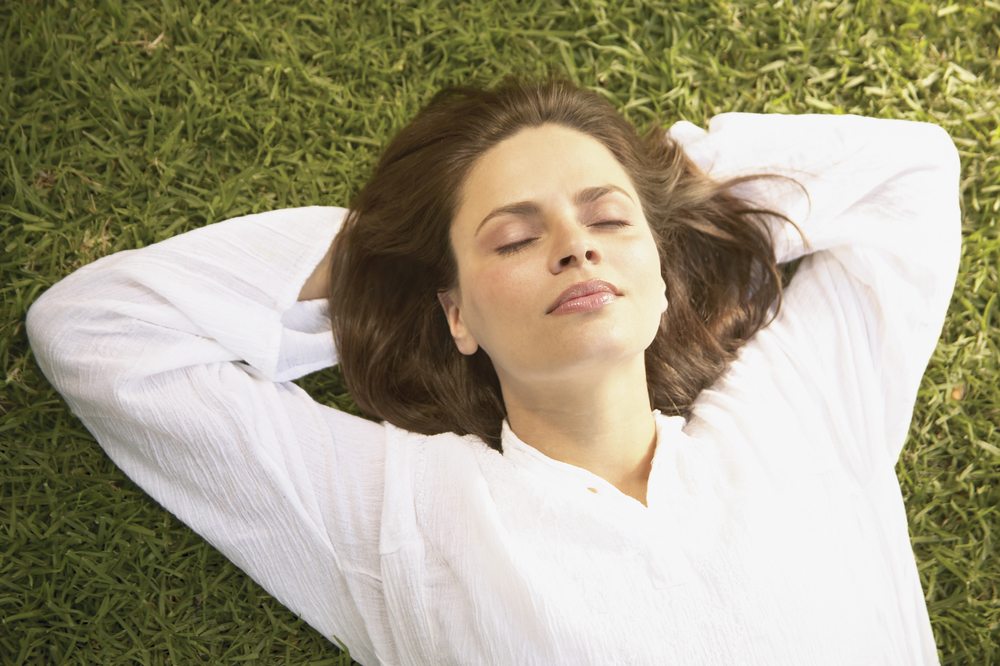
(584, 289)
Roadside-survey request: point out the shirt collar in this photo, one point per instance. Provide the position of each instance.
(519, 452)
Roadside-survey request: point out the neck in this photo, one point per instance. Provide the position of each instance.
(600, 421)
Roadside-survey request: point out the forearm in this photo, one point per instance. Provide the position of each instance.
(223, 292)
(893, 175)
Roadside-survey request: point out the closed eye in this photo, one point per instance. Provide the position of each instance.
(520, 245)
(515, 247)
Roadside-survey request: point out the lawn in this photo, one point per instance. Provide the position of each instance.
(126, 123)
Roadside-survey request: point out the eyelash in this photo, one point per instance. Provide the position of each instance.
(520, 245)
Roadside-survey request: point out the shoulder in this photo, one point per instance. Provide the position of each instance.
(425, 475)
(427, 459)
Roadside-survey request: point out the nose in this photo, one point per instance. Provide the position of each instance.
(573, 246)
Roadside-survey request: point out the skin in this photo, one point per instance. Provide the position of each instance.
(574, 384)
(316, 284)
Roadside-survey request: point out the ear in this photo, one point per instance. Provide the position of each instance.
(464, 341)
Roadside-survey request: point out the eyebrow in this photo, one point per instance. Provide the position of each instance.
(584, 196)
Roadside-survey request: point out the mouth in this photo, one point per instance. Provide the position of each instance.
(584, 296)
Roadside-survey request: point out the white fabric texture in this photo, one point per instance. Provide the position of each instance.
(775, 531)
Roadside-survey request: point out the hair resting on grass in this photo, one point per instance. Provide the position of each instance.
(394, 254)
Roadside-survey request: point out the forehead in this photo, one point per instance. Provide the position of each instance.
(542, 164)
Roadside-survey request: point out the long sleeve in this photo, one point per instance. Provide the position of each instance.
(178, 357)
(861, 318)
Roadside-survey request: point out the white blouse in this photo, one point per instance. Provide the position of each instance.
(775, 531)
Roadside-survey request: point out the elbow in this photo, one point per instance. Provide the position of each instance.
(921, 147)
(937, 150)
(61, 336)
(41, 323)
(943, 205)
(946, 152)
(45, 324)
(949, 165)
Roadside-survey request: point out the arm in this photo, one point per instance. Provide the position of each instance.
(178, 357)
(862, 316)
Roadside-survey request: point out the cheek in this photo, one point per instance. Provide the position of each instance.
(647, 278)
(643, 261)
(503, 294)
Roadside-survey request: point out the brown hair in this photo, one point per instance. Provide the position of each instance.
(394, 254)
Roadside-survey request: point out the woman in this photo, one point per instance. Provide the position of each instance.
(605, 433)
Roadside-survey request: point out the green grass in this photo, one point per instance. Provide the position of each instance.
(126, 123)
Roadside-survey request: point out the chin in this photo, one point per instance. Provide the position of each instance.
(598, 344)
(604, 356)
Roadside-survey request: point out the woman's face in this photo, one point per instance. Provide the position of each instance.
(544, 210)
